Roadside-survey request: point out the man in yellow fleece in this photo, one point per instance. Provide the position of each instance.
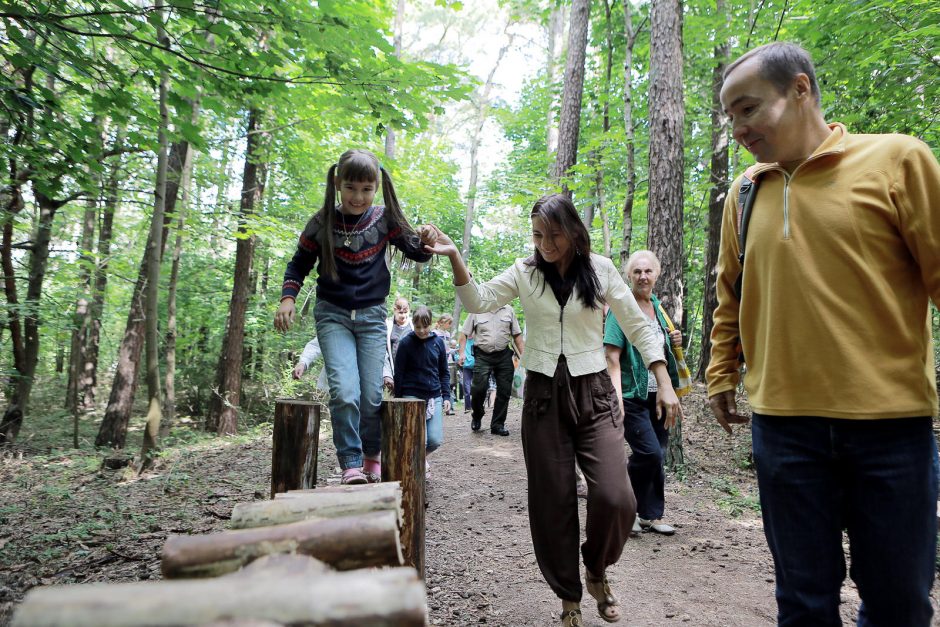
(842, 256)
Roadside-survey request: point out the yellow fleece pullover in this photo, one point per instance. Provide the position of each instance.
(842, 256)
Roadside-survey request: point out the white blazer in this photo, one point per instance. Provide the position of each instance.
(573, 330)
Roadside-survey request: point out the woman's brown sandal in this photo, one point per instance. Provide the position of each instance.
(571, 618)
(608, 607)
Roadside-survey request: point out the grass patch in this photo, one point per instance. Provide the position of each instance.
(732, 501)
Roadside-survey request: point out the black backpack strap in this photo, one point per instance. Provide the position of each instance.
(746, 195)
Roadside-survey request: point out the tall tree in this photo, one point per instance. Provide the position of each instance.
(569, 123)
(82, 318)
(482, 110)
(113, 429)
(597, 155)
(667, 119)
(556, 28)
(718, 189)
(399, 27)
(631, 36)
(666, 169)
(154, 255)
(88, 373)
(223, 405)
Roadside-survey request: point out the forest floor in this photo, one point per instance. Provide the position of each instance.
(65, 519)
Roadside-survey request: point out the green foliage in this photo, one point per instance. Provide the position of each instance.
(74, 77)
(731, 501)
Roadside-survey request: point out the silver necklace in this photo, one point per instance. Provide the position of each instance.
(347, 241)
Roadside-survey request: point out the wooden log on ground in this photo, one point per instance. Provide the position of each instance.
(403, 442)
(283, 565)
(344, 543)
(320, 503)
(384, 597)
(296, 442)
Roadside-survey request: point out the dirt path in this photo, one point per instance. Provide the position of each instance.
(716, 570)
(65, 520)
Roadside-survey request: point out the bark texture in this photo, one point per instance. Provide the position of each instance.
(296, 440)
(223, 404)
(717, 193)
(345, 543)
(403, 461)
(285, 591)
(667, 116)
(569, 123)
(113, 429)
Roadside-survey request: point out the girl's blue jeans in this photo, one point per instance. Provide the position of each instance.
(353, 345)
(434, 423)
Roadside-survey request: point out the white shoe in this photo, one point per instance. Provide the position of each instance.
(654, 526)
(636, 526)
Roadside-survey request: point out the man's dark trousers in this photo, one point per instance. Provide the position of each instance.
(500, 364)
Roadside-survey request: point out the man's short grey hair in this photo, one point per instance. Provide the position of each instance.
(780, 62)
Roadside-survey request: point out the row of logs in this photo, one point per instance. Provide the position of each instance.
(325, 556)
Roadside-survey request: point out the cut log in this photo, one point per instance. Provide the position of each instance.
(283, 565)
(372, 597)
(319, 503)
(344, 543)
(296, 442)
(403, 441)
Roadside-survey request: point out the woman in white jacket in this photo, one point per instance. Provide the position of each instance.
(570, 410)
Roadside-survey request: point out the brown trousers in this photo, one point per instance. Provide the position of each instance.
(565, 418)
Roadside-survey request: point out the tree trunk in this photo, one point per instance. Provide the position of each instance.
(399, 27)
(667, 115)
(556, 27)
(82, 319)
(569, 123)
(345, 543)
(631, 35)
(169, 400)
(38, 262)
(88, 376)
(716, 195)
(154, 255)
(113, 430)
(666, 159)
(474, 163)
(599, 198)
(223, 405)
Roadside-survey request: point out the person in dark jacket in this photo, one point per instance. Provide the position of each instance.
(421, 371)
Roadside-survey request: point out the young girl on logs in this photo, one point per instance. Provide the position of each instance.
(348, 241)
(570, 410)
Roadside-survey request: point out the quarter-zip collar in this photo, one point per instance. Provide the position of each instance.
(834, 145)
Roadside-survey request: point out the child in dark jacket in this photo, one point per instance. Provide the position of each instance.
(421, 372)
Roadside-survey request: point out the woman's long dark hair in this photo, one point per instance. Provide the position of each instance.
(357, 166)
(558, 210)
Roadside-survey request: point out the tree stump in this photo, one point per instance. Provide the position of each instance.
(296, 443)
(403, 442)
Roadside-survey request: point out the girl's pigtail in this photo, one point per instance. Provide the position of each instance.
(391, 205)
(328, 223)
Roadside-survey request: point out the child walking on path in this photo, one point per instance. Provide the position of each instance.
(347, 241)
(570, 410)
(421, 371)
